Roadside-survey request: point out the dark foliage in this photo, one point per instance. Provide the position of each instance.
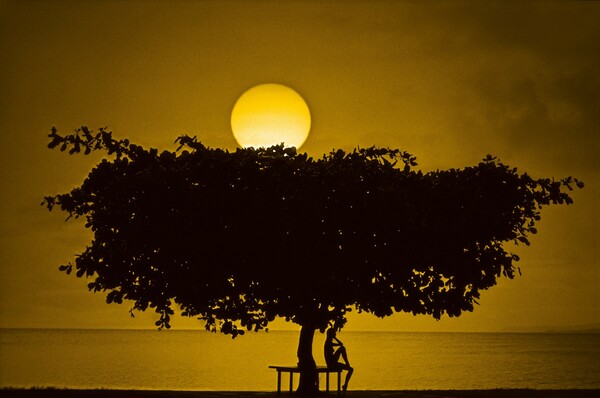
(240, 238)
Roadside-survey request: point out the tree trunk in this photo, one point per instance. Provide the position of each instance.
(309, 380)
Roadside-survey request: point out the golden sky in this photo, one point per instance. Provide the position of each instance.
(447, 81)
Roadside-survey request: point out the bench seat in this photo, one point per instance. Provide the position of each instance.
(294, 369)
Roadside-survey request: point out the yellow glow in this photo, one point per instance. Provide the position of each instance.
(270, 114)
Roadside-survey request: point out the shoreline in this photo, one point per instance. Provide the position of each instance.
(44, 392)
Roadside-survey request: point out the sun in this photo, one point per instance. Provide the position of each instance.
(270, 114)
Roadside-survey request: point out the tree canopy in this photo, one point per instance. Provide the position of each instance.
(240, 238)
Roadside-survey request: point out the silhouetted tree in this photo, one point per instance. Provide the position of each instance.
(238, 239)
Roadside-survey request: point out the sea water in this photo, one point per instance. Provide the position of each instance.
(198, 360)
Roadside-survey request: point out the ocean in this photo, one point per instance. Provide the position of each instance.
(199, 360)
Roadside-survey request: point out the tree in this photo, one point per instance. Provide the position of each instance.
(238, 239)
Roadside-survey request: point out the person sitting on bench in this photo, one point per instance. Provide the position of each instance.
(333, 354)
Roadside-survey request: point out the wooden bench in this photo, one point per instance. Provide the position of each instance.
(294, 369)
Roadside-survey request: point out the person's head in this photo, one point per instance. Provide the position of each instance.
(330, 333)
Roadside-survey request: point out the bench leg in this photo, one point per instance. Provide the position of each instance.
(339, 374)
(291, 381)
(327, 381)
(278, 382)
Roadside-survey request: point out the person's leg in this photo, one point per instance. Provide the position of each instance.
(344, 355)
(337, 354)
(350, 370)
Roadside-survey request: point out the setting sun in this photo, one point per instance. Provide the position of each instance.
(270, 114)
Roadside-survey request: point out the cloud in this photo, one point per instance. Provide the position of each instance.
(548, 117)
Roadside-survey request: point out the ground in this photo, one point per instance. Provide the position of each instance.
(63, 393)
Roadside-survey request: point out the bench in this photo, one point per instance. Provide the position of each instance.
(294, 369)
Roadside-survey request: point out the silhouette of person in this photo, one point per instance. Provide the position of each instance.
(333, 354)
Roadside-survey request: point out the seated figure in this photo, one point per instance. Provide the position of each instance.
(334, 349)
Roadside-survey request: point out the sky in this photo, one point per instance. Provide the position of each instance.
(449, 82)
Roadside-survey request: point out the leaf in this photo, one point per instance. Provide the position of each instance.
(75, 149)
(524, 240)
